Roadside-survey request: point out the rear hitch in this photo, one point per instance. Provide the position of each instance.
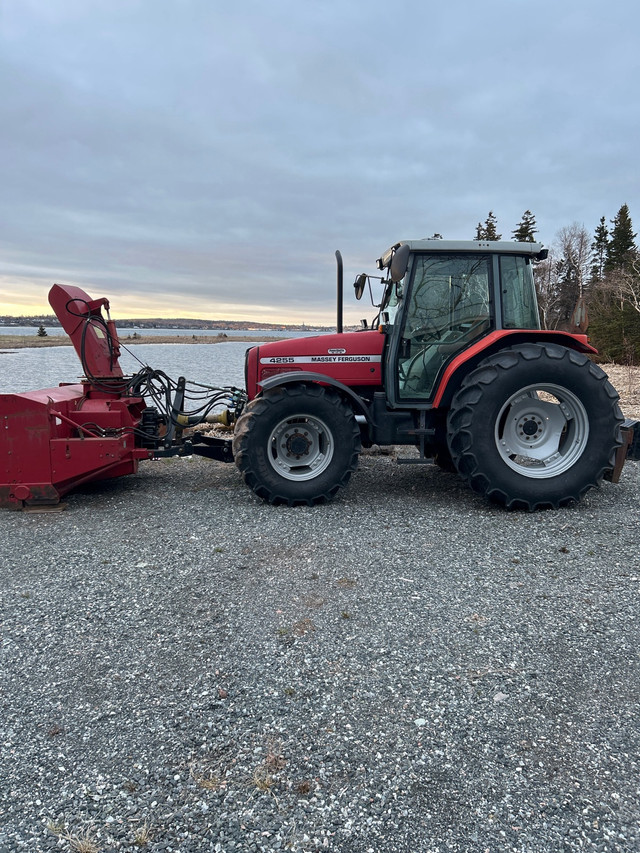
(629, 449)
(633, 430)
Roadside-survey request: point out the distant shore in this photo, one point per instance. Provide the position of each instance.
(9, 342)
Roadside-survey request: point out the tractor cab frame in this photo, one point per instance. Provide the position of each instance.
(440, 297)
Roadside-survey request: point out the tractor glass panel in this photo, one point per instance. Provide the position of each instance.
(392, 301)
(448, 308)
(519, 302)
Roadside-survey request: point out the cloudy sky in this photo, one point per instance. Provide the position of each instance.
(200, 158)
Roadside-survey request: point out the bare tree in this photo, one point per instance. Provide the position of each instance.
(574, 245)
(561, 280)
(624, 284)
(546, 288)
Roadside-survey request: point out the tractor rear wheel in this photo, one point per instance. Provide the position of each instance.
(534, 426)
(297, 444)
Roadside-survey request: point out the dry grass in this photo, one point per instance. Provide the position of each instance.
(274, 760)
(297, 629)
(82, 841)
(263, 780)
(208, 777)
(142, 835)
(11, 342)
(626, 380)
(266, 775)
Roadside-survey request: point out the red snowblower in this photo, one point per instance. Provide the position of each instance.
(56, 439)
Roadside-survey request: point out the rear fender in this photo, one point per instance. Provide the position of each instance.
(467, 360)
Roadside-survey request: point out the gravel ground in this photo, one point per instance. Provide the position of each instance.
(406, 669)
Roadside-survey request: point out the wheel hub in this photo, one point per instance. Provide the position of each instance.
(530, 427)
(296, 444)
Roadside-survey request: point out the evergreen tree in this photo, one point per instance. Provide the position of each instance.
(615, 301)
(42, 332)
(622, 250)
(599, 251)
(488, 231)
(526, 230)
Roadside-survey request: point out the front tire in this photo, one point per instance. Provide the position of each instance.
(534, 426)
(297, 444)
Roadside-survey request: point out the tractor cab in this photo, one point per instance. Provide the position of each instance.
(441, 296)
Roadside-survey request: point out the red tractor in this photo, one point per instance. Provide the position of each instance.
(455, 364)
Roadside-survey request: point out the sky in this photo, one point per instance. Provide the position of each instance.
(194, 158)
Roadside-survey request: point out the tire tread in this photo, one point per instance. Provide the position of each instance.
(245, 438)
(473, 390)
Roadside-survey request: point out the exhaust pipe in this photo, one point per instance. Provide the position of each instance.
(340, 293)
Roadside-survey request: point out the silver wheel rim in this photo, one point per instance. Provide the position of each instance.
(542, 431)
(300, 448)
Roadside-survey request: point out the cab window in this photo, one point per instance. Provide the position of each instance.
(519, 302)
(449, 306)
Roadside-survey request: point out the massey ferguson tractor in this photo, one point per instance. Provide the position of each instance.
(454, 364)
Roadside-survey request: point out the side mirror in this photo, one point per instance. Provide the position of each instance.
(359, 285)
(399, 262)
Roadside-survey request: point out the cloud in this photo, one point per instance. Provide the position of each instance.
(188, 153)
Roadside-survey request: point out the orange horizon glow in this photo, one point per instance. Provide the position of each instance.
(28, 297)
(132, 310)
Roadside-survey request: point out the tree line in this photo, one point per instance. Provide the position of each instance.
(588, 281)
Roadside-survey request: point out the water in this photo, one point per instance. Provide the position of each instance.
(209, 364)
(46, 367)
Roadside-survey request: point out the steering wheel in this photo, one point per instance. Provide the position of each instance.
(472, 327)
(424, 333)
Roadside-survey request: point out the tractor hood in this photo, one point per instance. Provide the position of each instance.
(353, 358)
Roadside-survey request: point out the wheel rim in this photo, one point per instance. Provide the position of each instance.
(300, 448)
(542, 430)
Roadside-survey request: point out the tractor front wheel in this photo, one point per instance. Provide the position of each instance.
(297, 444)
(534, 426)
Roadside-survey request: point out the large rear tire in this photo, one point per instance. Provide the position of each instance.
(297, 444)
(534, 426)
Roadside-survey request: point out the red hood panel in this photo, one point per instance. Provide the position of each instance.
(354, 358)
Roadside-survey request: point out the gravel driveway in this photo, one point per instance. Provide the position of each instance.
(406, 669)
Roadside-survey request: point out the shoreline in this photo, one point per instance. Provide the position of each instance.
(12, 342)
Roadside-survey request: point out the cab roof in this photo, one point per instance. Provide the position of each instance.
(504, 247)
(493, 247)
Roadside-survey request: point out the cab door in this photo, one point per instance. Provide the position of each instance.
(447, 305)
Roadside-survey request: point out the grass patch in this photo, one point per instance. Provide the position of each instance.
(265, 776)
(142, 835)
(78, 842)
(207, 778)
